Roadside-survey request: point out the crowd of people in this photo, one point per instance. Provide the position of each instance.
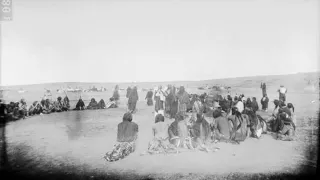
(20, 110)
(234, 120)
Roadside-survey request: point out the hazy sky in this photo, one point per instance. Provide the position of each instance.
(117, 41)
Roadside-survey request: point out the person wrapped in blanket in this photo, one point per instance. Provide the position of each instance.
(93, 104)
(160, 143)
(80, 105)
(126, 138)
(57, 105)
(179, 134)
(101, 104)
(149, 98)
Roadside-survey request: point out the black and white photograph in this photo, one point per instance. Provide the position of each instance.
(159, 89)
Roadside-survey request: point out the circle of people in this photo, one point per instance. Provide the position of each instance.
(234, 120)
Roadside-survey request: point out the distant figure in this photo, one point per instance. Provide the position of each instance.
(128, 92)
(265, 102)
(183, 99)
(264, 89)
(254, 104)
(80, 105)
(101, 104)
(282, 93)
(149, 98)
(174, 102)
(93, 104)
(66, 103)
(159, 98)
(133, 99)
(116, 95)
(126, 138)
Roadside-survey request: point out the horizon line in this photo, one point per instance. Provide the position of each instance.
(317, 71)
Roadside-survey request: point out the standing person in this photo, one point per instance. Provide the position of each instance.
(149, 98)
(254, 104)
(126, 138)
(168, 100)
(133, 99)
(265, 102)
(282, 93)
(174, 103)
(128, 92)
(159, 98)
(183, 100)
(197, 107)
(264, 89)
(116, 95)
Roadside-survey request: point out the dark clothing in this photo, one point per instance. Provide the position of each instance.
(255, 106)
(149, 98)
(133, 99)
(80, 105)
(127, 131)
(101, 104)
(264, 89)
(264, 103)
(93, 105)
(286, 110)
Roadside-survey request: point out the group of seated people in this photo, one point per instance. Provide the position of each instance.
(232, 123)
(20, 110)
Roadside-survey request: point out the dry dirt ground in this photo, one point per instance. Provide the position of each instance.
(75, 142)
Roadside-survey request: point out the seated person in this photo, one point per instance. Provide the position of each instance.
(80, 105)
(126, 138)
(57, 105)
(66, 103)
(34, 108)
(44, 107)
(50, 106)
(23, 111)
(221, 127)
(239, 125)
(112, 103)
(101, 104)
(160, 142)
(293, 116)
(201, 133)
(179, 133)
(286, 128)
(93, 104)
